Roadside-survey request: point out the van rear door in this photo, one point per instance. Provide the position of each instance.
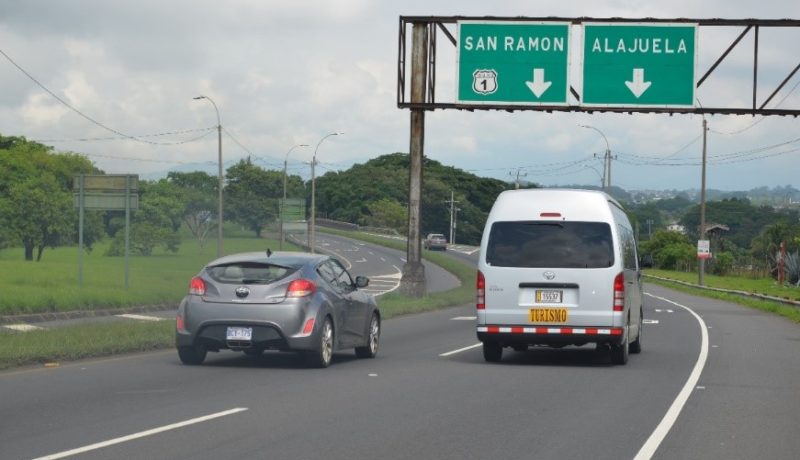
(544, 273)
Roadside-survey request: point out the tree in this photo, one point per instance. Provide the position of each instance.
(252, 195)
(199, 195)
(670, 250)
(155, 223)
(36, 208)
(387, 213)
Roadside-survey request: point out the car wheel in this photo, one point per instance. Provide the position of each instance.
(636, 345)
(192, 355)
(492, 352)
(322, 356)
(619, 353)
(371, 349)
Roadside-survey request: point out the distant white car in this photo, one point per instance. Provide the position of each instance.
(435, 241)
(558, 267)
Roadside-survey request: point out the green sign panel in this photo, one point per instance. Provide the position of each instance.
(521, 63)
(639, 64)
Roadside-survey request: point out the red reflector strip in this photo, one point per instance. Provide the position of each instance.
(550, 330)
(550, 214)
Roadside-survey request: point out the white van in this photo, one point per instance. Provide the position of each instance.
(558, 267)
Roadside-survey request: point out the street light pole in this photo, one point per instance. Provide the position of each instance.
(219, 175)
(283, 203)
(606, 160)
(312, 241)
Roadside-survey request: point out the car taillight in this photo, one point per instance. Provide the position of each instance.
(197, 286)
(619, 293)
(480, 284)
(301, 288)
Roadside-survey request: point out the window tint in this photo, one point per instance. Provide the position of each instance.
(628, 247)
(248, 273)
(550, 245)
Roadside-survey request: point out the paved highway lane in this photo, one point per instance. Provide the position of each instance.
(429, 394)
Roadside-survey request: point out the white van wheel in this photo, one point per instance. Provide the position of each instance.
(619, 353)
(492, 352)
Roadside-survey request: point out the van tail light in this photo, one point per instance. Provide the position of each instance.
(480, 284)
(301, 288)
(197, 286)
(619, 293)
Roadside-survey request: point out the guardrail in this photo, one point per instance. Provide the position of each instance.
(782, 300)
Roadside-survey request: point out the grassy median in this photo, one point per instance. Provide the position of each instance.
(167, 275)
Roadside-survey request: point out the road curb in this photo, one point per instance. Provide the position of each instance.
(755, 295)
(80, 314)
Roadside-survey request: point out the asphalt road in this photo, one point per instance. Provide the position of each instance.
(412, 402)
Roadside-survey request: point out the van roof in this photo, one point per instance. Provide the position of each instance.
(557, 204)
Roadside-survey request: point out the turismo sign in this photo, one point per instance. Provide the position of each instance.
(639, 64)
(524, 63)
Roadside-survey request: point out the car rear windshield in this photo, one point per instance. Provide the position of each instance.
(249, 273)
(550, 245)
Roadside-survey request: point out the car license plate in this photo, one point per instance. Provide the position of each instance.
(548, 296)
(239, 333)
(548, 315)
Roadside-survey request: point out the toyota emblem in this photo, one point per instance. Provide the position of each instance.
(548, 275)
(242, 292)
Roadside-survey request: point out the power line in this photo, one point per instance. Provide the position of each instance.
(69, 106)
(93, 139)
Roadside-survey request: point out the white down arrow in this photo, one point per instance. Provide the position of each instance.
(538, 85)
(638, 86)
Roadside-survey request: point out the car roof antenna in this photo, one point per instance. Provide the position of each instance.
(269, 252)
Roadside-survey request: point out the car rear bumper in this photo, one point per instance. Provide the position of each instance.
(212, 336)
(549, 335)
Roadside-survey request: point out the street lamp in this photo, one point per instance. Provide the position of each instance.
(283, 203)
(606, 160)
(219, 174)
(312, 234)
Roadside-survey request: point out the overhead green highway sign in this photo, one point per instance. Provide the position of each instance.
(523, 63)
(636, 64)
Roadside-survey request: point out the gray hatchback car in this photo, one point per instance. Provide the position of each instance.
(288, 301)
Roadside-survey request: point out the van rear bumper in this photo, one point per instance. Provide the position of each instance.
(549, 335)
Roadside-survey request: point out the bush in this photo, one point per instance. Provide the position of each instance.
(675, 256)
(722, 263)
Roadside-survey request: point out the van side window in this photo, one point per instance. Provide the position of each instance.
(628, 244)
(543, 244)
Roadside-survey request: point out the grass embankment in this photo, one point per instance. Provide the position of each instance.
(157, 279)
(765, 286)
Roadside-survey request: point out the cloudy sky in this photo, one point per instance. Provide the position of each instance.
(284, 73)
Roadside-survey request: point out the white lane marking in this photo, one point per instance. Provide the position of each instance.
(460, 350)
(141, 317)
(649, 321)
(141, 434)
(360, 261)
(23, 327)
(464, 318)
(383, 259)
(651, 445)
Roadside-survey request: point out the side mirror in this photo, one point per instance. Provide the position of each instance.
(362, 281)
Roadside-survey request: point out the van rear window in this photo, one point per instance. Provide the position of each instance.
(538, 244)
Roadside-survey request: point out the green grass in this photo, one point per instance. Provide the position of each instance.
(76, 342)
(51, 285)
(764, 286)
(156, 276)
(767, 286)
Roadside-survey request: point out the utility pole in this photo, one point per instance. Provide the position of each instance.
(413, 281)
(452, 203)
(702, 267)
(516, 182)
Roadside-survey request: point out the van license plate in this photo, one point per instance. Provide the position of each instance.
(239, 333)
(548, 315)
(548, 296)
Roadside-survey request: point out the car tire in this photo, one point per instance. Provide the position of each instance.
(192, 356)
(619, 353)
(321, 357)
(492, 352)
(636, 345)
(373, 339)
